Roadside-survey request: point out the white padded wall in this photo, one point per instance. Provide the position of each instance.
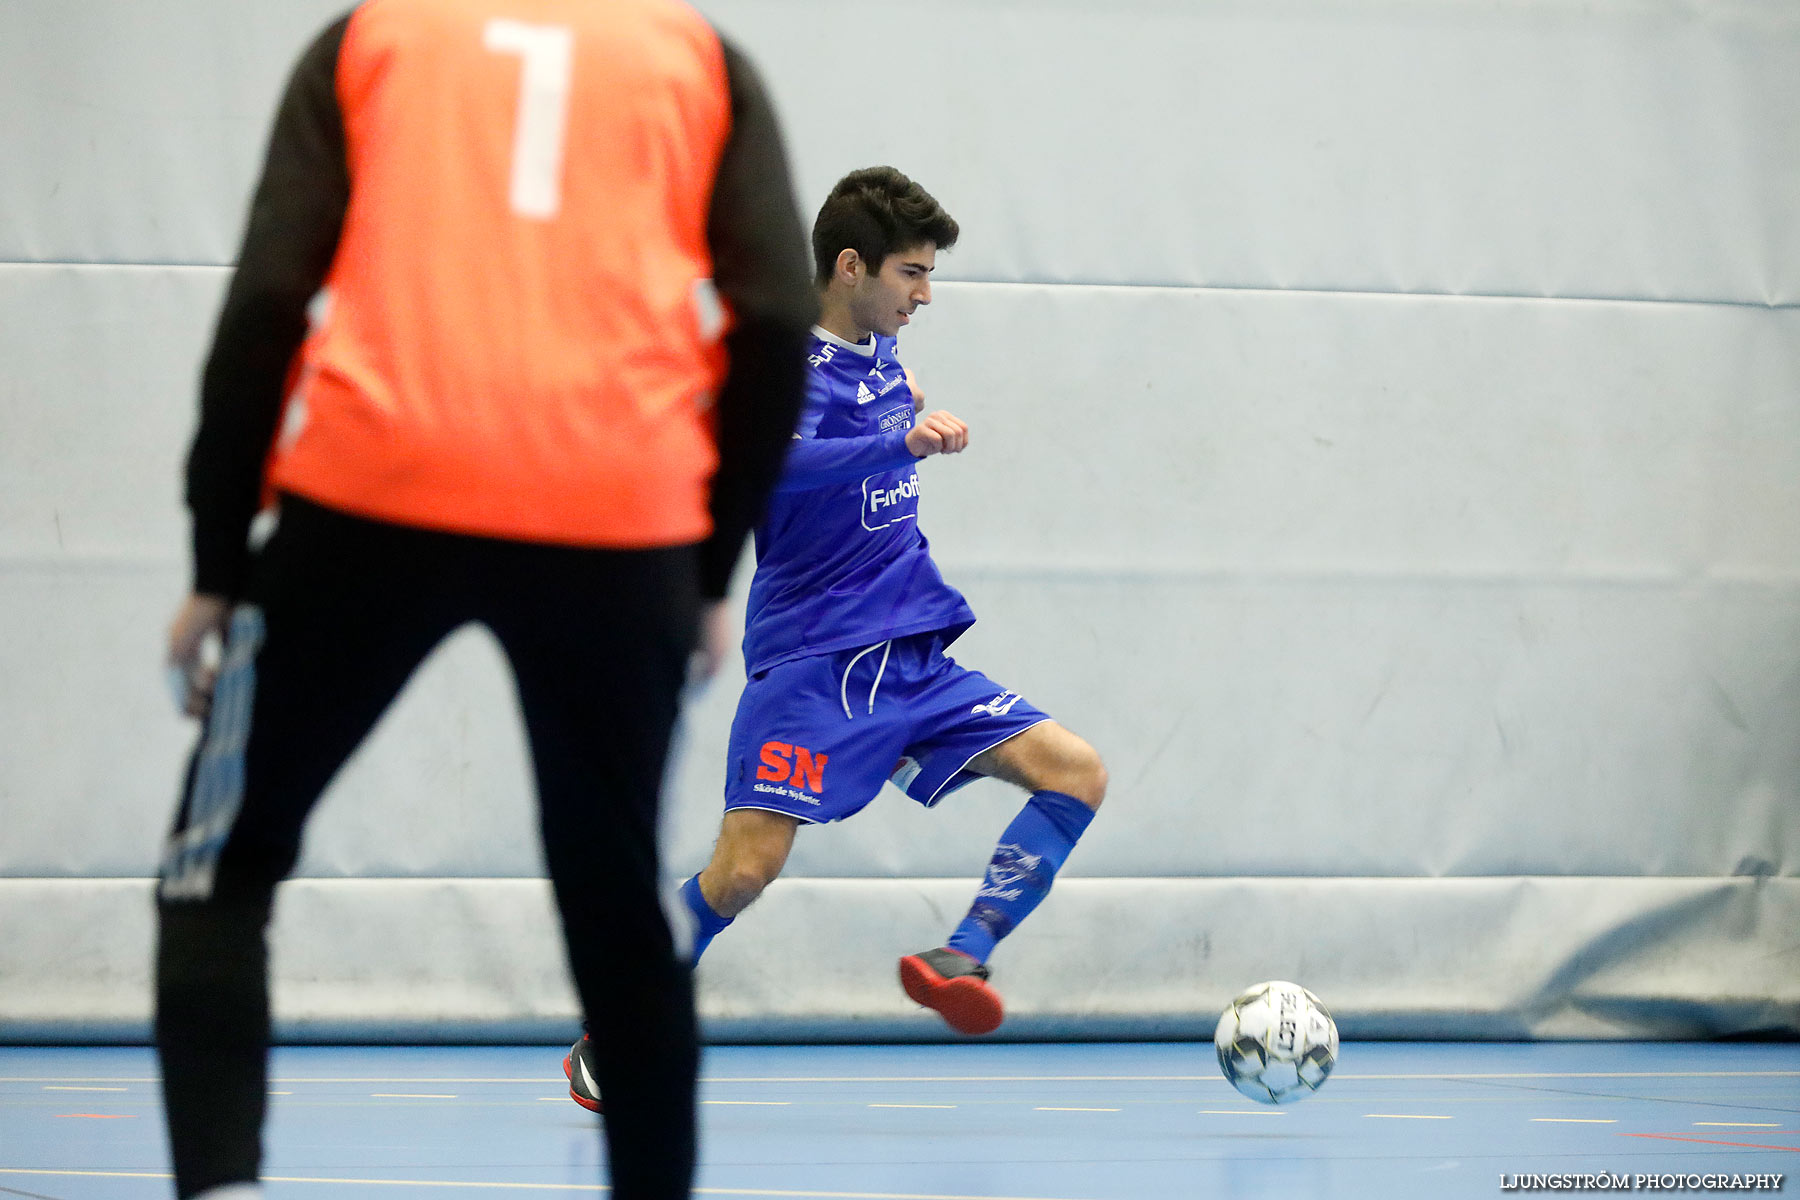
(1630, 148)
(1387, 452)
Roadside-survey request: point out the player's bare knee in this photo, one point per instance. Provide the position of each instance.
(1088, 774)
(1064, 765)
(1073, 768)
(743, 881)
(1076, 770)
(1099, 781)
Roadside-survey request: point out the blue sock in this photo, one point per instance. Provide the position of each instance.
(707, 923)
(1031, 852)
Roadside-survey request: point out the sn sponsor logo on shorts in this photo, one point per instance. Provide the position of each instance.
(795, 766)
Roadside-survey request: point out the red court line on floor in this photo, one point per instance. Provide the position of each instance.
(1679, 1137)
(101, 1116)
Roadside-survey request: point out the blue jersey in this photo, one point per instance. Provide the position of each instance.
(840, 561)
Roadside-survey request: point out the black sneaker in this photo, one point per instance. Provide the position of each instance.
(578, 1065)
(956, 986)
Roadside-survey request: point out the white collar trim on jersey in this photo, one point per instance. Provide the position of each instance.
(866, 349)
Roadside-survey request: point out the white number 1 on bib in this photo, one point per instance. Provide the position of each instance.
(547, 54)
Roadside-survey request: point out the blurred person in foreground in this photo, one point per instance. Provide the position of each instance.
(516, 337)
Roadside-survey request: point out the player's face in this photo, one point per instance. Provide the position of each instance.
(886, 300)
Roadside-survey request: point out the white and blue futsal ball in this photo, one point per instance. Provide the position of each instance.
(1276, 1043)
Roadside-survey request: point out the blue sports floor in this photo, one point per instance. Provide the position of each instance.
(958, 1122)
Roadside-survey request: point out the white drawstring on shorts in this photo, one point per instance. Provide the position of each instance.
(886, 648)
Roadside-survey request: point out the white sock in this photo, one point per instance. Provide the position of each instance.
(232, 1191)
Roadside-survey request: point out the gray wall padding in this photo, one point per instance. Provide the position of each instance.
(449, 959)
(1386, 451)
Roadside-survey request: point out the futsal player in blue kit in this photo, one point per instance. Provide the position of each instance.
(849, 682)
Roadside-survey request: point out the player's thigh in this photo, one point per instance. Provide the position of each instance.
(1047, 757)
(598, 642)
(797, 748)
(956, 716)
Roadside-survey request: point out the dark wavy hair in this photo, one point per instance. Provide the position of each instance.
(876, 212)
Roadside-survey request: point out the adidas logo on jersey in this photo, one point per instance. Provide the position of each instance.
(863, 394)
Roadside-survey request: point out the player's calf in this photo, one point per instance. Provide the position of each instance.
(752, 849)
(953, 980)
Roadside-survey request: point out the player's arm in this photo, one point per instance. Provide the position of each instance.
(296, 216)
(760, 266)
(815, 462)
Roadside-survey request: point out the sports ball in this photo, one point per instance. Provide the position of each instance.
(1276, 1043)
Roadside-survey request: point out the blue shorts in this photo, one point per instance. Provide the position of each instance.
(816, 737)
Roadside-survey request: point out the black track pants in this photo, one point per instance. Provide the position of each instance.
(341, 611)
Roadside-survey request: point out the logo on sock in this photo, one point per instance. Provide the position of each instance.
(1011, 867)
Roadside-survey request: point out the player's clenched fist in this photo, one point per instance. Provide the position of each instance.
(937, 433)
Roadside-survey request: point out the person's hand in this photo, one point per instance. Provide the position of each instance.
(937, 433)
(713, 644)
(201, 615)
